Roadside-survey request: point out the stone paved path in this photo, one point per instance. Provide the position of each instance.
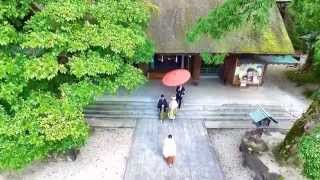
(195, 159)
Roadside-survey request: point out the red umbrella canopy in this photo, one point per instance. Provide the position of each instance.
(176, 77)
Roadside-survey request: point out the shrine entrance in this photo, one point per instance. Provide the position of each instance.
(210, 70)
(162, 64)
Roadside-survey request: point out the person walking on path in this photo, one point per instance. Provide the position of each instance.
(169, 150)
(179, 94)
(162, 106)
(173, 105)
(162, 103)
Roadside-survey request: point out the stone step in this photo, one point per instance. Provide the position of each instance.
(206, 118)
(185, 104)
(126, 113)
(218, 124)
(242, 118)
(148, 106)
(135, 103)
(210, 118)
(102, 116)
(180, 112)
(243, 125)
(231, 117)
(111, 123)
(184, 108)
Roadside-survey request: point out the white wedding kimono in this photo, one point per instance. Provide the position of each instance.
(169, 148)
(173, 106)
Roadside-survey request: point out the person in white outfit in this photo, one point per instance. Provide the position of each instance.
(169, 150)
(173, 106)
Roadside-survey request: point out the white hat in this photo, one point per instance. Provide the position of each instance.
(173, 97)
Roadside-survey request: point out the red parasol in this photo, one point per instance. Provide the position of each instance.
(176, 77)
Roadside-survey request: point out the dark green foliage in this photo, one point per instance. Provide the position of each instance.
(309, 150)
(306, 26)
(231, 15)
(56, 56)
(305, 21)
(302, 78)
(43, 124)
(306, 15)
(213, 59)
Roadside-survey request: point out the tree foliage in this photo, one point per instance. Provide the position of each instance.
(229, 16)
(300, 141)
(303, 140)
(306, 15)
(309, 150)
(56, 56)
(232, 15)
(213, 59)
(306, 27)
(288, 146)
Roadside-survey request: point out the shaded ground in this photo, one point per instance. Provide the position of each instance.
(103, 158)
(226, 144)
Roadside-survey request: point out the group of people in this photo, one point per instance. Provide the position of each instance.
(169, 146)
(171, 109)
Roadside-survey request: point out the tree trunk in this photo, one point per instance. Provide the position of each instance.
(287, 147)
(307, 66)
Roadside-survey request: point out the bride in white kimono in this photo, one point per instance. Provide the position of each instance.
(173, 106)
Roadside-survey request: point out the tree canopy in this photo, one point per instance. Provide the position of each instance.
(229, 16)
(305, 27)
(56, 56)
(300, 141)
(233, 14)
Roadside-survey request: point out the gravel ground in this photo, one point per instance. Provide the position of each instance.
(226, 144)
(103, 158)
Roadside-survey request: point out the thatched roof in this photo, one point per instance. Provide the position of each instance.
(168, 30)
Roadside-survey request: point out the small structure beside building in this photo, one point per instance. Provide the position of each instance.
(261, 118)
(249, 51)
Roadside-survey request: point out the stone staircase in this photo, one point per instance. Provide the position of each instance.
(124, 113)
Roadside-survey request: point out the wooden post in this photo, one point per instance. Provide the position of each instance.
(182, 61)
(196, 65)
(264, 74)
(229, 67)
(144, 67)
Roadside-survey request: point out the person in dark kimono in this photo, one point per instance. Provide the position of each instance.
(179, 95)
(162, 103)
(162, 106)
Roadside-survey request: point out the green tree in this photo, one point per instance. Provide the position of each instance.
(233, 14)
(56, 56)
(305, 25)
(229, 16)
(309, 150)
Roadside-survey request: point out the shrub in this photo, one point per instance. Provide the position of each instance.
(309, 151)
(302, 78)
(44, 125)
